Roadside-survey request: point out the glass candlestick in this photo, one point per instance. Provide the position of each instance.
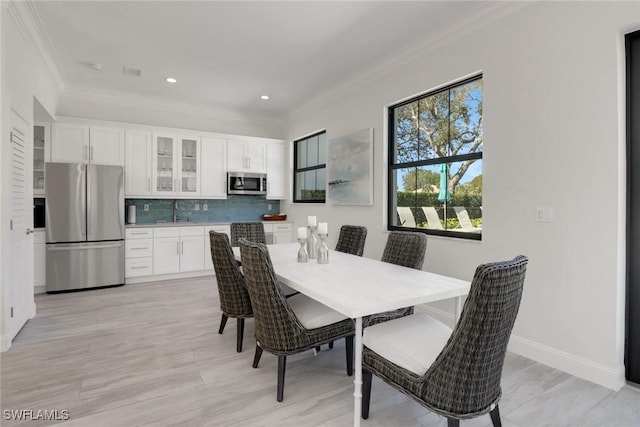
(323, 250)
(312, 242)
(302, 252)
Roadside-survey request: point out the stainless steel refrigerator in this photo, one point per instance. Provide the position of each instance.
(85, 226)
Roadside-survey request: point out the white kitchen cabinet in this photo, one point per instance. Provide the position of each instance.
(178, 249)
(276, 170)
(138, 164)
(41, 155)
(138, 252)
(221, 228)
(213, 170)
(80, 143)
(176, 165)
(191, 253)
(39, 261)
(166, 255)
(282, 233)
(246, 156)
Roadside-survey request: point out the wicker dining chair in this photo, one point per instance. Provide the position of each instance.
(285, 326)
(252, 231)
(234, 298)
(456, 373)
(351, 239)
(403, 248)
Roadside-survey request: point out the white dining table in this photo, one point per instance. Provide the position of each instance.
(357, 287)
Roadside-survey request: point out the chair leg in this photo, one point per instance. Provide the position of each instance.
(348, 344)
(240, 334)
(366, 392)
(495, 417)
(282, 364)
(223, 322)
(318, 348)
(256, 358)
(330, 345)
(452, 422)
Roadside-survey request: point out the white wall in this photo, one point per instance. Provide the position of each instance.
(552, 109)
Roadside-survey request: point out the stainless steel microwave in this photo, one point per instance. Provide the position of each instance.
(246, 183)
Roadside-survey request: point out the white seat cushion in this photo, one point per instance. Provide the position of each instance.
(311, 313)
(411, 342)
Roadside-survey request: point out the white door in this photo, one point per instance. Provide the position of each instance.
(166, 255)
(192, 253)
(20, 303)
(213, 173)
(137, 169)
(276, 170)
(70, 143)
(106, 146)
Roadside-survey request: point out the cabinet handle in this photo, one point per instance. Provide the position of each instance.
(182, 249)
(138, 268)
(149, 185)
(138, 249)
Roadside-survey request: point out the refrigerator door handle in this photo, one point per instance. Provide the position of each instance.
(83, 248)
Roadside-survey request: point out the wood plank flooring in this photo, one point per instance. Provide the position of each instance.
(149, 355)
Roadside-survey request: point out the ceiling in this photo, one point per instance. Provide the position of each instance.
(225, 55)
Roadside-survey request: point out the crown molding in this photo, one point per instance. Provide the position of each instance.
(460, 29)
(27, 19)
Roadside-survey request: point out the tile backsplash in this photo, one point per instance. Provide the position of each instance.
(234, 208)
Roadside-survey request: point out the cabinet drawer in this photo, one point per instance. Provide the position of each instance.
(191, 231)
(138, 248)
(139, 233)
(278, 228)
(138, 267)
(166, 232)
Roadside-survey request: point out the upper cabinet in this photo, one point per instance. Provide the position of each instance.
(246, 156)
(277, 170)
(41, 154)
(213, 171)
(80, 143)
(138, 165)
(176, 165)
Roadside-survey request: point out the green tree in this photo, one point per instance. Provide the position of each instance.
(447, 123)
(420, 179)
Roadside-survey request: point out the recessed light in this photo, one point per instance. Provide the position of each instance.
(264, 97)
(171, 80)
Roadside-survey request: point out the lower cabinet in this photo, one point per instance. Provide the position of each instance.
(138, 252)
(178, 249)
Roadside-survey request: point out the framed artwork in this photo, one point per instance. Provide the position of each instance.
(350, 169)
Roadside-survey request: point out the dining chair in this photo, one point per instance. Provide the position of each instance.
(351, 239)
(403, 248)
(456, 373)
(286, 326)
(234, 298)
(252, 231)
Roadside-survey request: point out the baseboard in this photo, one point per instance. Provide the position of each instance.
(159, 277)
(5, 343)
(606, 376)
(39, 289)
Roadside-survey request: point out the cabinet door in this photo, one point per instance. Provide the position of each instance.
(255, 152)
(137, 167)
(164, 164)
(70, 143)
(213, 170)
(191, 253)
(189, 166)
(276, 170)
(106, 146)
(166, 255)
(236, 159)
(41, 154)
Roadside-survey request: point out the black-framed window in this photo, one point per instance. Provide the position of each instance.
(309, 168)
(435, 162)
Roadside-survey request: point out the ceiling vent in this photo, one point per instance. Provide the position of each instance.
(131, 72)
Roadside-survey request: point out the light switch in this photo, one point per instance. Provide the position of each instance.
(544, 214)
(146, 207)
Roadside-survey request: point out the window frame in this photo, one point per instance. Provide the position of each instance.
(392, 166)
(297, 170)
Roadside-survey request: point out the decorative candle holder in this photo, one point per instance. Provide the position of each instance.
(302, 252)
(323, 250)
(312, 242)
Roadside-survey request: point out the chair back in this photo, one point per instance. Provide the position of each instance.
(351, 239)
(252, 231)
(405, 248)
(465, 377)
(277, 328)
(234, 298)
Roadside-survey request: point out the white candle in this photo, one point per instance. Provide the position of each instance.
(311, 221)
(323, 228)
(302, 232)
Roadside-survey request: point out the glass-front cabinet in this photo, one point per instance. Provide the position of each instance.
(41, 141)
(175, 165)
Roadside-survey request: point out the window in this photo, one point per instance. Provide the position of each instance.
(435, 162)
(309, 168)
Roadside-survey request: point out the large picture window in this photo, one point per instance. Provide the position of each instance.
(310, 165)
(435, 162)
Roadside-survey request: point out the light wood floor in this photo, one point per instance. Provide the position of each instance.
(150, 355)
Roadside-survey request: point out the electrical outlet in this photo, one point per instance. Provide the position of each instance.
(544, 214)
(205, 207)
(196, 207)
(146, 207)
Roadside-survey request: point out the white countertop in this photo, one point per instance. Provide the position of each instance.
(193, 224)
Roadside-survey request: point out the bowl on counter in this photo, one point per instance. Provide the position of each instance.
(277, 217)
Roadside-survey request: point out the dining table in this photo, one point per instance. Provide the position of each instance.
(357, 287)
